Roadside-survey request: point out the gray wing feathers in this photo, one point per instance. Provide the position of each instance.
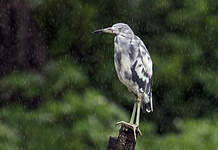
(134, 67)
(144, 71)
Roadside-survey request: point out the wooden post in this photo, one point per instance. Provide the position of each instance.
(125, 140)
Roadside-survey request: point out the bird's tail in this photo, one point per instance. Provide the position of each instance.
(147, 105)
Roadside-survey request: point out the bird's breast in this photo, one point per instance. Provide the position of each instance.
(122, 62)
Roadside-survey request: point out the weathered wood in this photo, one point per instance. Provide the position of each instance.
(112, 143)
(125, 140)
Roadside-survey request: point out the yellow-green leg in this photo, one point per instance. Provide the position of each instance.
(138, 113)
(133, 114)
(135, 127)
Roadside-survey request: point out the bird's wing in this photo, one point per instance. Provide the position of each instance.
(142, 61)
(142, 71)
(146, 59)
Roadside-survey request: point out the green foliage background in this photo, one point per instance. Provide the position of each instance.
(77, 98)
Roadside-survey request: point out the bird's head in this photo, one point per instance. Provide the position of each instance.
(117, 29)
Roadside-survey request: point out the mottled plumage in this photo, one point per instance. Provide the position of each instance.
(133, 65)
(134, 68)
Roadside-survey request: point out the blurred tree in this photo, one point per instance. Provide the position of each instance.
(77, 93)
(21, 47)
(75, 117)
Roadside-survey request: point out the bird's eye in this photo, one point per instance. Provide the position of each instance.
(119, 29)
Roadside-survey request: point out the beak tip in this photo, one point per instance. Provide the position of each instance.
(105, 30)
(98, 31)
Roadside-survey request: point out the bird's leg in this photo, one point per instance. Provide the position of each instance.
(138, 112)
(133, 114)
(134, 126)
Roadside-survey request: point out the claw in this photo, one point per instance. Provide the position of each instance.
(133, 126)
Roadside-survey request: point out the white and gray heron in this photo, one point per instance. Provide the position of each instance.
(133, 65)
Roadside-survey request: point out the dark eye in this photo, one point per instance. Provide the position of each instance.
(119, 29)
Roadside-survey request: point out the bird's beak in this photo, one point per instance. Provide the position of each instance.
(105, 30)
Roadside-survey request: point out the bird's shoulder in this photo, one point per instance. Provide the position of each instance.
(142, 48)
(143, 57)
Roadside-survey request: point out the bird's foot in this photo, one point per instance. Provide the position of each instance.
(135, 127)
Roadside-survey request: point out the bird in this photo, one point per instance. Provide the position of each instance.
(133, 66)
